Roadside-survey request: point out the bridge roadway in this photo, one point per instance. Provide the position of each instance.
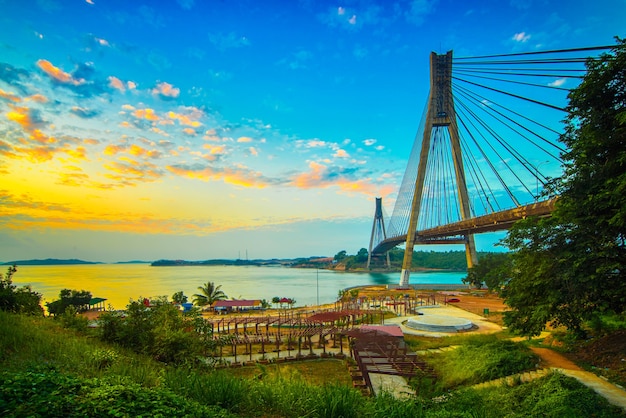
(449, 234)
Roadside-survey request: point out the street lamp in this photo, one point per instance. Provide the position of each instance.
(317, 276)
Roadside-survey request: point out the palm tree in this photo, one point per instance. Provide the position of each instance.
(209, 294)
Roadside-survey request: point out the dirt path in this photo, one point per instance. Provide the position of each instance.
(553, 360)
(550, 358)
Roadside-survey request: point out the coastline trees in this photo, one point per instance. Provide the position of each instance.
(179, 297)
(492, 270)
(572, 267)
(18, 299)
(78, 299)
(209, 293)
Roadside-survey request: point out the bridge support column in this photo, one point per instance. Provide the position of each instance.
(440, 115)
(470, 251)
(404, 278)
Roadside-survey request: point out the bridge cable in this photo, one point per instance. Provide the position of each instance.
(554, 51)
(501, 141)
(484, 156)
(488, 109)
(513, 81)
(496, 172)
(580, 60)
(512, 95)
(490, 71)
(478, 98)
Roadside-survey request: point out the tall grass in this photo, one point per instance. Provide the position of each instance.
(77, 375)
(216, 388)
(481, 359)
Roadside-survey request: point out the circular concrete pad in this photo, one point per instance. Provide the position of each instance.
(439, 323)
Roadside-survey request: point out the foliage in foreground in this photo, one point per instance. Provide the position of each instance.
(81, 376)
(53, 394)
(480, 359)
(18, 299)
(554, 395)
(572, 266)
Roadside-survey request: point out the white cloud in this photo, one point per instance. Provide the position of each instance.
(557, 83)
(521, 37)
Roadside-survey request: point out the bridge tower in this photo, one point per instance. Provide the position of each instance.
(440, 114)
(378, 234)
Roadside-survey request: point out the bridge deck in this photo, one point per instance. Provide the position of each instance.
(448, 234)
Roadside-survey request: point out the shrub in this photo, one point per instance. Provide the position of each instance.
(482, 359)
(46, 392)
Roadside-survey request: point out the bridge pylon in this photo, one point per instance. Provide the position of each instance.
(440, 114)
(378, 234)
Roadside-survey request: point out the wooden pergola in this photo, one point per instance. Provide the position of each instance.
(384, 352)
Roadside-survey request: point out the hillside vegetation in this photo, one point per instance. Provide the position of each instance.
(52, 371)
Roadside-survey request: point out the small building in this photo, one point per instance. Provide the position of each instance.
(242, 305)
(97, 304)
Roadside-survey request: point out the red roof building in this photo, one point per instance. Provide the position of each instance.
(236, 305)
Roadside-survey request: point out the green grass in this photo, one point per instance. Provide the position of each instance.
(480, 359)
(50, 371)
(417, 343)
(315, 372)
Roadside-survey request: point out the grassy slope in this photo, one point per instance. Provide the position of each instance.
(49, 371)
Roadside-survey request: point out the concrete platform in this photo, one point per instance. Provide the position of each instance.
(481, 324)
(439, 323)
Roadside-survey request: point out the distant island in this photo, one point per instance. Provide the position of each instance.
(221, 262)
(48, 262)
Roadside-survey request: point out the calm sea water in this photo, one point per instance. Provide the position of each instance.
(119, 283)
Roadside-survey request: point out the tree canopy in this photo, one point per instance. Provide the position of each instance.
(493, 270)
(209, 293)
(78, 299)
(18, 299)
(570, 267)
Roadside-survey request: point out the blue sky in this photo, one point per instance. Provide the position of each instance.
(202, 129)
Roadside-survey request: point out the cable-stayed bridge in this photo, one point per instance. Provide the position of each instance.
(486, 147)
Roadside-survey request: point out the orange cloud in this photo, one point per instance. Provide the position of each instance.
(320, 176)
(146, 113)
(38, 154)
(138, 151)
(79, 153)
(215, 149)
(39, 98)
(166, 90)
(121, 86)
(131, 170)
(23, 116)
(244, 139)
(58, 74)
(186, 120)
(240, 177)
(117, 84)
(9, 96)
(112, 149)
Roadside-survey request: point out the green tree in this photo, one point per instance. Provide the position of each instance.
(18, 299)
(571, 267)
(209, 293)
(78, 299)
(340, 255)
(361, 256)
(492, 270)
(179, 297)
